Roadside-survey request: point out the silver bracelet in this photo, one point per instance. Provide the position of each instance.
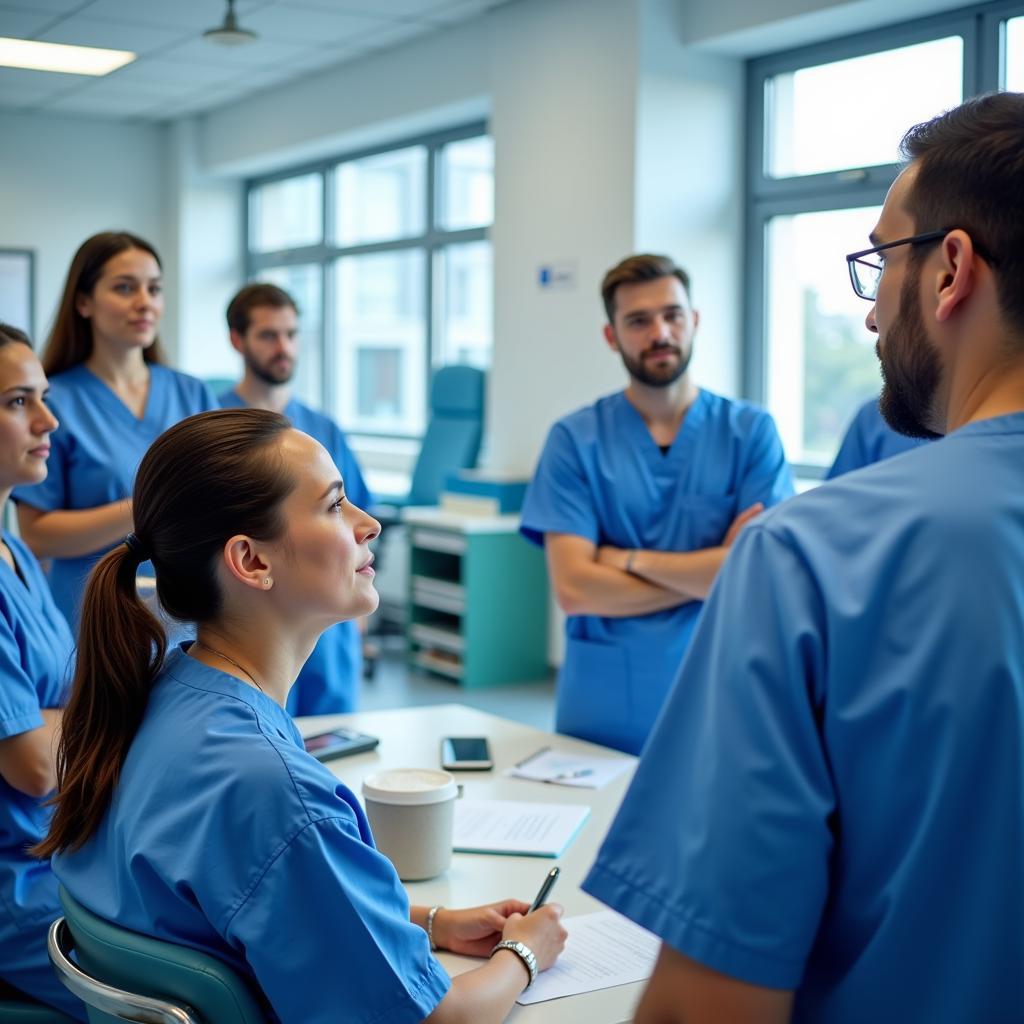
(525, 954)
(431, 914)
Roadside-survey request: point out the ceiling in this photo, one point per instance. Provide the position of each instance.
(179, 73)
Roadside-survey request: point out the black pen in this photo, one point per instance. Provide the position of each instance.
(545, 889)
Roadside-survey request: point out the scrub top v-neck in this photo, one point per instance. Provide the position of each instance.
(603, 477)
(96, 451)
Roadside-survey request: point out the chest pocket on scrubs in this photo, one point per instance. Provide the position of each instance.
(704, 520)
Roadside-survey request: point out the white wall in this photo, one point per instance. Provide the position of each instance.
(63, 179)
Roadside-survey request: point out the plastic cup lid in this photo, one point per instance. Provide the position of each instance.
(410, 786)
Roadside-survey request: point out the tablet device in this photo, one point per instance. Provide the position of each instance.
(339, 743)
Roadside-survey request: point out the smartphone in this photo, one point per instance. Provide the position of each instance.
(466, 753)
(339, 743)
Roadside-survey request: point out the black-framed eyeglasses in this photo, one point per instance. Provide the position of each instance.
(865, 274)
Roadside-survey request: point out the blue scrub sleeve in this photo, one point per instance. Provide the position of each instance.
(559, 498)
(327, 933)
(19, 698)
(766, 474)
(722, 844)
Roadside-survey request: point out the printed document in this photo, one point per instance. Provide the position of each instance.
(509, 826)
(604, 949)
(563, 769)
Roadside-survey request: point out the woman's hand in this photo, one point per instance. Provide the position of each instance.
(474, 931)
(542, 931)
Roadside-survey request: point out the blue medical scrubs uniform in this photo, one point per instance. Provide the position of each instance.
(331, 679)
(869, 439)
(36, 663)
(95, 452)
(225, 835)
(602, 477)
(833, 798)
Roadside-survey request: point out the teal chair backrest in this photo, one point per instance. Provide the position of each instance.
(218, 385)
(161, 970)
(455, 430)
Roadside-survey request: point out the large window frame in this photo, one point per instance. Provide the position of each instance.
(980, 27)
(432, 241)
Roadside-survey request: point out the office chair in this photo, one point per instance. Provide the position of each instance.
(123, 976)
(18, 1008)
(455, 428)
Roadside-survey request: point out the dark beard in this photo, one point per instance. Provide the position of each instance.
(639, 372)
(910, 369)
(265, 376)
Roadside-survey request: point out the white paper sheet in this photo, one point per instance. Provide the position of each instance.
(565, 769)
(604, 949)
(510, 826)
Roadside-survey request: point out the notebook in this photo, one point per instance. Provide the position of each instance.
(514, 827)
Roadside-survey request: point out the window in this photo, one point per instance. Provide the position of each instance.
(387, 255)
(825, 127)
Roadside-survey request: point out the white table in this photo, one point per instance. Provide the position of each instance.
(411, 737)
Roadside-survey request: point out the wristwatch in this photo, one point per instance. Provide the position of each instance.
(523, 951)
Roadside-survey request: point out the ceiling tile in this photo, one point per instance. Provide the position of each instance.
(21, 23)
(44, 83)
(194, 15)
(380, 8)
(116, 35)
(287, 22)
(259, 53)
(461, 10)
(392, 35)
(52, 8)
(190, 75)
(82, 103)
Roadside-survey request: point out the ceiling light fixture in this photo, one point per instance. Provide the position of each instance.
(68, 60)
(230, 33)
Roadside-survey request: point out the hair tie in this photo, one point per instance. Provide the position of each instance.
(136, 547)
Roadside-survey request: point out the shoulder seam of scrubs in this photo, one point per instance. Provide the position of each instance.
(274, 857)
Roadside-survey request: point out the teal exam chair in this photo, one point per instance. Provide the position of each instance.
(17, 1008)
(123, 976)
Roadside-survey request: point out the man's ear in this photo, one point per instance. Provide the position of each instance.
(955, 279)
(237, 343)
(610, 337)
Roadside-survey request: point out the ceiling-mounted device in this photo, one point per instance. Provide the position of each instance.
(230, 33)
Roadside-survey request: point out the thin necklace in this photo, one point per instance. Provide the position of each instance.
(231, 661)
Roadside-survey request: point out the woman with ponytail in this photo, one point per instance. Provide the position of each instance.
(35, 665)
(187, 807)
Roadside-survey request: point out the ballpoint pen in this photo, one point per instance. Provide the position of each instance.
(580, 773)
(545, 890)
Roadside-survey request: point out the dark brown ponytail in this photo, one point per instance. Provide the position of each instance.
(210, 477)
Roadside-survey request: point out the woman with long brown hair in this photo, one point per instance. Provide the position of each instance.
(187, 807)
(113, 395)
(36, 652)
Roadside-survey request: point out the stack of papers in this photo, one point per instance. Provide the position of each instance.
(604, 949)
(509, 826)
(563, 769)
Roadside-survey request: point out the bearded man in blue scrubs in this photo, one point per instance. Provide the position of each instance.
(264, 324)
(828, 821)
(636, 500)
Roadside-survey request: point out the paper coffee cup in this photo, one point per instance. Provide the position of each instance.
(411, 812)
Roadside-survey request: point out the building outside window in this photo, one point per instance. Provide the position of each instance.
(825, 126)
(388, 256)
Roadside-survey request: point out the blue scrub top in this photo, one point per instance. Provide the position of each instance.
(36, 663)
(225, 835)
(332, 677)
(868, 440)
(96, 450)
(833, 798)
(602, 477)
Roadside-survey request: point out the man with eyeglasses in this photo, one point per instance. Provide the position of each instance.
(827, 823)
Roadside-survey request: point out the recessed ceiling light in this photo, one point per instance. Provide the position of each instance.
(70, 60)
